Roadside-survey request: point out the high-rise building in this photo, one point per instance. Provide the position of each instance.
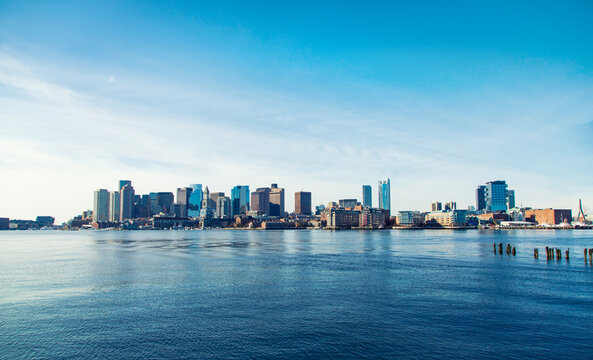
(126, 202)
(302, 203)
(481, 197)
(101, 205)
(451, 205)
(496, 196)
(114, 206)
(385, 195)
(161, 202)
(436, 206)
(367, 196)
(143, 208)
(510, 199)
(208, 209)
(223, 207)
(195, 200)
(123, 183)
(260, 201)
(276, 200)
(240, 200)
(183, 195)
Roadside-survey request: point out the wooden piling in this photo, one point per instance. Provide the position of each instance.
(535, 253)
(494, 248)
(585, 251)
(514, 251)
(508, 249)
(547, 253)
(500, 248)
(558, 254)
(566, 253)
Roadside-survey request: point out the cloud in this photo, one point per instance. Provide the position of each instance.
(76, 137)
(110, 78)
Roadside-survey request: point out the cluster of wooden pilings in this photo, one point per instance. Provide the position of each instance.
(552, 253)
(509, 250)
(590, 252)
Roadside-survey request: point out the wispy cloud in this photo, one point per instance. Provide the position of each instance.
(68, 139)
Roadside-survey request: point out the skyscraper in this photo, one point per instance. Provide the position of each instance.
(126, 202)
(101, 205)
(161, 202)
(123, 183)
(436, 206)
(385, 195)
(481, 197)
(302, 203)
(239, 200)
(276, 201)
(367, 196)
(183, 195)
(510, 199)
(496, 195)
(260, 201)
(223, 207)
(114, 206)
(208, 205)
(195, 200)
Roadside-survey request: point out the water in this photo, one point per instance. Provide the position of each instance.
(293, 294)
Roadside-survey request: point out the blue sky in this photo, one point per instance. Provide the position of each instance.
(438, 96)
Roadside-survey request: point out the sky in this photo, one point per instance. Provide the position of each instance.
(316, 96)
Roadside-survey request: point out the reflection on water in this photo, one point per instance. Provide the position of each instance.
(293, 294)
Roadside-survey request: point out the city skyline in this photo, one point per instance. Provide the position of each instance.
(438, 101)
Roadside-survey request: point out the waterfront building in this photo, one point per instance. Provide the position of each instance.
(548, 216)
(223, 207)
(195, 200)
(372, 218)
(367, 196)
(496, 195)
(276, 201)
(126, 202)
(260, 201)
(453, 218)
(409, 218)
(481, 198)
(385, 195)
(101, 205)
(341, 218)
(87, 214)
(114, 206)
(240, 200)
(4, 223)
(45, 220)
(510, 199)
(302, 203)
(348, 203)
(451, 205)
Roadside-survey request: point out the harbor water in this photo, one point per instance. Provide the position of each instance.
(224, 294)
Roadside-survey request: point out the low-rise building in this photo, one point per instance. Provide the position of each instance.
(549, 216)
(454, 218)
(409, 218)
(373, 218)
(341, 218)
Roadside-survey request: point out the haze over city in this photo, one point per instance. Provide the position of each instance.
(321, 98)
